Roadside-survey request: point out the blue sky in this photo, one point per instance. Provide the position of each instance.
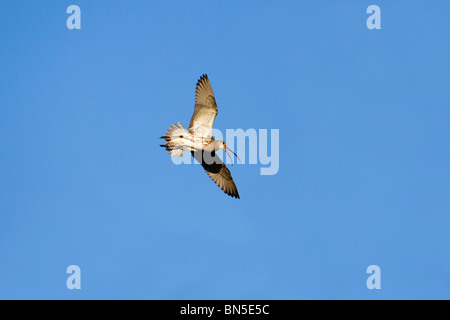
(364, 173)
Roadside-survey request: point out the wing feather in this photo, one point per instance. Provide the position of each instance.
(205, 110)
(218, 172)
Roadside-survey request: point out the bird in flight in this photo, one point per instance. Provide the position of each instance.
(199, 141)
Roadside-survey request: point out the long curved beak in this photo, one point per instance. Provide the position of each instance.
(231, 152)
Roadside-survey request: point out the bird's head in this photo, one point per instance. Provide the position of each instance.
(223, 145)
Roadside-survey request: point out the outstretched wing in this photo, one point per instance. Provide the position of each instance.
(217, 171)
(205, 110)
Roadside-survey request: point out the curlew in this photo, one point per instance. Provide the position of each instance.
(198, 139)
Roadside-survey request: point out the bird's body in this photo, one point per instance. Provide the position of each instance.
(198, 138)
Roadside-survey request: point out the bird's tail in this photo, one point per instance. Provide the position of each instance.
(176, 139)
